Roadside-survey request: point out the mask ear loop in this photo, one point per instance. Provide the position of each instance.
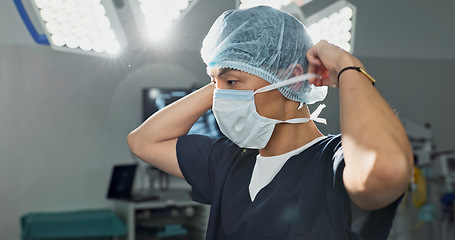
(290, 81)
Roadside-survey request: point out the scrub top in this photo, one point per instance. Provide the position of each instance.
(305, 200)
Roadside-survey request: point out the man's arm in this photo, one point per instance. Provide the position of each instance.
(377, 152)
(155, 140)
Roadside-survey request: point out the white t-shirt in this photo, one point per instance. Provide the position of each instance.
(266, 168)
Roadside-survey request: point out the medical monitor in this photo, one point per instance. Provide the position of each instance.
(154, 99)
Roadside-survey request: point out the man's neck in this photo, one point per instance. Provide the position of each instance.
(287, 137)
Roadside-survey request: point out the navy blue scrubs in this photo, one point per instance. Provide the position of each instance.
(305, 200)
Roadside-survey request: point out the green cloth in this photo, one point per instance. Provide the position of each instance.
(73, 224)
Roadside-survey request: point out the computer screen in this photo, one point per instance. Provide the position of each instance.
(122, 180)
(155, 99)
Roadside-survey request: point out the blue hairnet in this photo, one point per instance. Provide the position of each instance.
(265, 42)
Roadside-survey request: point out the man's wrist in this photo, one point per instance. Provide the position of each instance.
(347, 60)
(358, 69)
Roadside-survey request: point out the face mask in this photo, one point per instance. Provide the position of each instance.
(236, 115)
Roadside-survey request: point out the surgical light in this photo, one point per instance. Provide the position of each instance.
(160, 15)
(335, 24)
(82, 26)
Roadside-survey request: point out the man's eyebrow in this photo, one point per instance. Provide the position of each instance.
(222, 72)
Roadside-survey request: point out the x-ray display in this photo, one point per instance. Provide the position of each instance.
(155, 99)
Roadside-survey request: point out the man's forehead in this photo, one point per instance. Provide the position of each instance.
(218, 72)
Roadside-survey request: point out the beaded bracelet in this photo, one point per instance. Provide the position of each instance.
(358, 69)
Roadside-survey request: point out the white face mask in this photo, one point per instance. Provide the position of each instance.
(236, 115)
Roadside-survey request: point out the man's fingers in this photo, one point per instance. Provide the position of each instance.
(313, 69)
(313, 59)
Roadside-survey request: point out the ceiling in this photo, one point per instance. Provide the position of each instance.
(387, 29)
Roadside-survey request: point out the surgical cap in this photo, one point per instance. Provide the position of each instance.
(265, 42)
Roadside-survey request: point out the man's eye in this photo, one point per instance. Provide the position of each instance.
(230, 82)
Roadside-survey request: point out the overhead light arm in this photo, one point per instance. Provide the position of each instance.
(39, 38)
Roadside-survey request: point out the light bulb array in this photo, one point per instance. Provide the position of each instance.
(79, 24)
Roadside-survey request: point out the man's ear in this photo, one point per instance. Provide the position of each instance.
(298, 70)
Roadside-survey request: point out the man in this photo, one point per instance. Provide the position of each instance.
(276, 176)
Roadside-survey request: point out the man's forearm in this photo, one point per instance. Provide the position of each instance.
(154, 141)
(176, 119)
(376, 148)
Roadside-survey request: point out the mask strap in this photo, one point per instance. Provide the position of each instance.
(314, 116)
(289, 81)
